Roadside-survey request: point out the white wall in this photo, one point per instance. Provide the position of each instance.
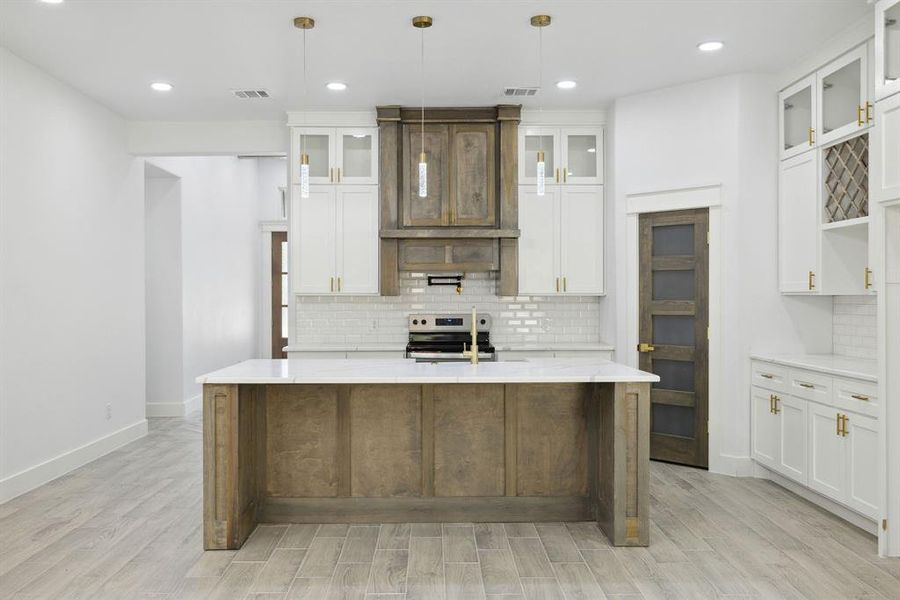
(164, 317)
(71, 280)
(219, 264)
(719, 132)
(271, 174)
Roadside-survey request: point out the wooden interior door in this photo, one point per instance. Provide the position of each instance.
(280, 295)
(674, 326)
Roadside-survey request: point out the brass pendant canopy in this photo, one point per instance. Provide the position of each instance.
(304, 22)
(422, 21)
(540, 20)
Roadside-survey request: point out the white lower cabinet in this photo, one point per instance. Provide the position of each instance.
(334, 240)
(765, 428)
(815, 440)
(792, 443)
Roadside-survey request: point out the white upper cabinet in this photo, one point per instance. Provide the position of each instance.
(884, 178)
(581, 240)
(334, 240)
(561, 246)
(345, 156)
(887, 48)
(572, 155)
(842, 100)
(797, 117)
(538, 242)
(798, 225)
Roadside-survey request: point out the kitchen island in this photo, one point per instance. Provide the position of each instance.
(392, 440)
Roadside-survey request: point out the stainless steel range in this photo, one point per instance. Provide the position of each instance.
(444, 338)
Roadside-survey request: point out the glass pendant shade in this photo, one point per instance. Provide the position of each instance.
(304, 176)
(540, 174)
(423, 176)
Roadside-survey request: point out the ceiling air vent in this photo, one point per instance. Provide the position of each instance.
(251, 94)
(520, 91)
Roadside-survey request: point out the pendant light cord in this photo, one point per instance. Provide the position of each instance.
(540, 79)
(422, 67)
(303, 101)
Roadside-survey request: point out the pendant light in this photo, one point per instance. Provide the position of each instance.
(540, 21)
(422, 23)
(304, 23)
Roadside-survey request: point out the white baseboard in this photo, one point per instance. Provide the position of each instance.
(851, 516)
(735, 466)
(174, 409)
(24, 481)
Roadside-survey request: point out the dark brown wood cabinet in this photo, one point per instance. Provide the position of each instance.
(462, 184)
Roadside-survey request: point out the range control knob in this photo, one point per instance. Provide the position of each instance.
(415, 321)
(424, 321)
(483, 321)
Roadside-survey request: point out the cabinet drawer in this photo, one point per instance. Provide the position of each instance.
(858, 396)
(769, 376)
(809, 385)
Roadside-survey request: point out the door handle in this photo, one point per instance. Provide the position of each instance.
(837, 419)
(557, 174)
(339, 174)
(332, 283)
(565, 174)
(869, 112)
(331, 174)
(644, 347)
(859, 115)
(557, 284)
(339, 284)
(772, 403)
(812, 136)
(810, 280)
(775, 409)
(844, 420)
(565, 286)
(867, 278)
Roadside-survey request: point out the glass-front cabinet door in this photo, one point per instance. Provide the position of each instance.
(842, 97)
(887, 48)
(319, 145)
(797, 117)
(533, 140)
(357, 156)
(582, 155)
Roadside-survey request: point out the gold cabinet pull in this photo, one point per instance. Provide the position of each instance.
(775, 408)
(867, 277)
(837, 419)
(331, 174)
(765, 375)
(859, 397)
(565, 174)
(844, 420)
(808, 386)
(812, 136)
(811, 280)
(869, 108)
(557, 284)
(557, 174)
(339, 174)
(859, 115)
(644, 347)
(331, 284)
(339, 284)
(772, 403)
(565, 286)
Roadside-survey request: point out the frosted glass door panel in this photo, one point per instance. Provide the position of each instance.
(317, 147)
(357, 156)
(532, 141)
(797, 110)
(673, 330)
(673, 240)
(892, 44)
(582, 159)
(842, 96)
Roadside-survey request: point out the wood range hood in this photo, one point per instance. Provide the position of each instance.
(469, 219)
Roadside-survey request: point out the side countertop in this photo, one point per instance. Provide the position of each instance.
(831, 364)
(399, 370)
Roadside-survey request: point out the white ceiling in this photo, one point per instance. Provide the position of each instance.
(113, 49)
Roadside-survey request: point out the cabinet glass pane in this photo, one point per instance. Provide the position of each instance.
(284, 321)
(316, 146)
(673, 420)
(532, 147)
(673, 240)
(892, 43)
(357, 155)
(677, 375)
(840, 97)
(285, 295)
(673, 285)
(797, 118)
(673, 330)
(284, 257)
(582, 155)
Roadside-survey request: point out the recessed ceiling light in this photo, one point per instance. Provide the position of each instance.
(161, 86)
(566, 84)
(336, 86)
(710, 46)
(52, 1)
(592, 150)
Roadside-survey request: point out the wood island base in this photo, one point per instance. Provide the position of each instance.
(457, 452)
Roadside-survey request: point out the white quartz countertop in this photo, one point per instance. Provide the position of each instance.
(550, 347)
(832, 364)
(400, 370)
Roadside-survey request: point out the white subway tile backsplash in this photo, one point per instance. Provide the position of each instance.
(854, 327)
(366, 320)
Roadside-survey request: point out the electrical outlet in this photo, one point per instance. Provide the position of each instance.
(108, 412)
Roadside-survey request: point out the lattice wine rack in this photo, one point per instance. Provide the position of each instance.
(847, 180)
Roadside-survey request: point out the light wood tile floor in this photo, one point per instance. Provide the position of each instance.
(128, 526)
